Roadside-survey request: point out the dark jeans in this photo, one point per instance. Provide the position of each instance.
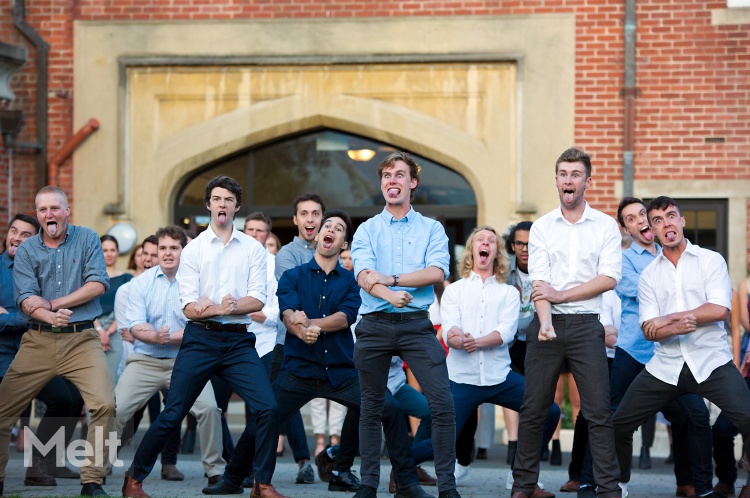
(580, 341)
(415, 404)
(690, 427)
(467, 398)
(294, 428)
(725, 387)
(223, 393)
(231, 356)
(415, 342)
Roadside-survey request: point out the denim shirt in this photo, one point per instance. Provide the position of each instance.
(12, 325)
(52, 273)
(308, 288)
(396, 247)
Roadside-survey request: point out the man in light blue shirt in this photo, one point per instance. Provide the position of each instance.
(398, 256)
(157, 324)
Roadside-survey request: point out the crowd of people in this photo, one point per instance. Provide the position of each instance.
(341, 318)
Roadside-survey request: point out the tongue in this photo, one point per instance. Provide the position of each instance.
(671, 236)
(393, 194)
(567, 197)
(648, 235)
(483, 258)
(12, 251)
(52, 229)
(222, 218)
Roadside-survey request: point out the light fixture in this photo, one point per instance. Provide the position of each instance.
(125, 234)
(362, 155)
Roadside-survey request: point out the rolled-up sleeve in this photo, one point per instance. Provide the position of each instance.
(437, 250)
(539, 260)
(718, 285)
(450, 311)
(648, 307)
(628, 285)
(94, 268)
(137, 305)
(287, 292)
(188, 274)
(508, 322)
(362, 253)
(351, 302)
(25, 283)
(610, 259)
(257, 277)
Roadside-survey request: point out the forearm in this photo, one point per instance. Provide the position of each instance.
(296, 329)
(144, 332)
(588, 290)
(704, 314)
(421, 278)
(332, 323)
(258, 316)
(543, 311)
(82, 295)
(490, 340)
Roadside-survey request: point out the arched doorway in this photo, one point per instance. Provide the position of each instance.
(340, 167)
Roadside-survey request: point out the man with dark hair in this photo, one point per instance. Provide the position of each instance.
(574, 257)
(150, 252)
(62, 399)
(684, 298)
(222, 278)
(58, 276)
(157, 324)
(398, 256)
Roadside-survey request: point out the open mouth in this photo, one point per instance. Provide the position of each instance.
(51, 228)
(222, 217)
(647, 233)
(568, 195)
(328, 241)
(393, 192)
(670, 236)
(309, 229)
(484, 255)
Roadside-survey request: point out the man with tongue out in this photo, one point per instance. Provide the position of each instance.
(685, 296)
(574, 257)
(58, 276)
(398, 256)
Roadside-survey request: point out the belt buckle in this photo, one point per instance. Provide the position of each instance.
(56, 330)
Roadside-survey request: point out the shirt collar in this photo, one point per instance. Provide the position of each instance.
(588, 214)
(640, 249)
(213, 235)
(316, 267)
(689, 249)
(390, 219)
(302, 242)
(476, 276)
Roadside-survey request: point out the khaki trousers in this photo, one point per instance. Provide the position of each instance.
(145, 376)
(78, 357)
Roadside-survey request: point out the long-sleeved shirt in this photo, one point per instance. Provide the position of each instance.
(480, 309)
(54, 272)
(308, 288)
(12, 325)
(396, 247)
(700, 277)
(630, 336)
(566, 255)
(153, 299)
(265, 332)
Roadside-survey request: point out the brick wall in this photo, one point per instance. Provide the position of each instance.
(693, 78)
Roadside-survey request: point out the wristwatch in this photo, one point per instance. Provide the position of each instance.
(395, 281)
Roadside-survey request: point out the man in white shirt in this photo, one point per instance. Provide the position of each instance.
(222, 278)
(685, 295)
(574, 257)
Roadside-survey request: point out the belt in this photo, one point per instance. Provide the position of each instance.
(397, 317)
(70, 328)
(225, 327)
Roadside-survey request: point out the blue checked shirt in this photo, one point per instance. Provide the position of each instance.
(153, 299)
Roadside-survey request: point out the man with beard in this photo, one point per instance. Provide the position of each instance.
(684, 298)
(574, 257)
(58, 276)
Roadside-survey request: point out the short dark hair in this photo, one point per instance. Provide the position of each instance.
(259, 216)
(575, 155)
(174, 232)
(625, 202)
(662, 202)
(414, 168)
(510, 238)
(151, 239)
(26, 219)
(337, 213)
(225, 182)
(111, 238)
(309, 197)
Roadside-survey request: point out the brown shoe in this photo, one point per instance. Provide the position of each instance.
(724, 489)
(265, 491)
(570, 487)
(744, 492)
(169, 472)
(213, 480)
(425, 479)
(540, 493)
(133, 489)
(685, 490)
(518, 494)
(36, 475)
(392, 483)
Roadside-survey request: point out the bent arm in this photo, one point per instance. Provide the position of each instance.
(82, 295)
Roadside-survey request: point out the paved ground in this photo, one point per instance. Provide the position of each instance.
(487, 479)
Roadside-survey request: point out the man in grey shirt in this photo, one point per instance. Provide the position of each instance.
(58, 277)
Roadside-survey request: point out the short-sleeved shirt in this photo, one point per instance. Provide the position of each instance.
(209, 268)
(55, 272)
(700, 277)
(308, 288)
(566, 255)
(395, 247)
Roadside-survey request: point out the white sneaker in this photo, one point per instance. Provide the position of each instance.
(624, 487)
(462, 474)
(509, 480)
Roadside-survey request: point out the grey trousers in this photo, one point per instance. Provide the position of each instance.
(580, 340)
(415, 342)
(725, 388)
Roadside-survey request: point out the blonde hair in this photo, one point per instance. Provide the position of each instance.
(466, 261)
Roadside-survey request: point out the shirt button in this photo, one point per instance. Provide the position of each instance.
(324, 297)
(326, 350)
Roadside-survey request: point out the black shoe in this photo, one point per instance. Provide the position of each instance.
(93, 489)
(555, 458)
(644, 461)
(511, 456)
(451, 493)
(345, 481)
(305, 475)
(482, 454)
(248, 482)
(222, 488)
(415, 491)
(362, 492)
(587, 492)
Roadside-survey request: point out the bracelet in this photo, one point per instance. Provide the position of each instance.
(99, 328)
(395, 281)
